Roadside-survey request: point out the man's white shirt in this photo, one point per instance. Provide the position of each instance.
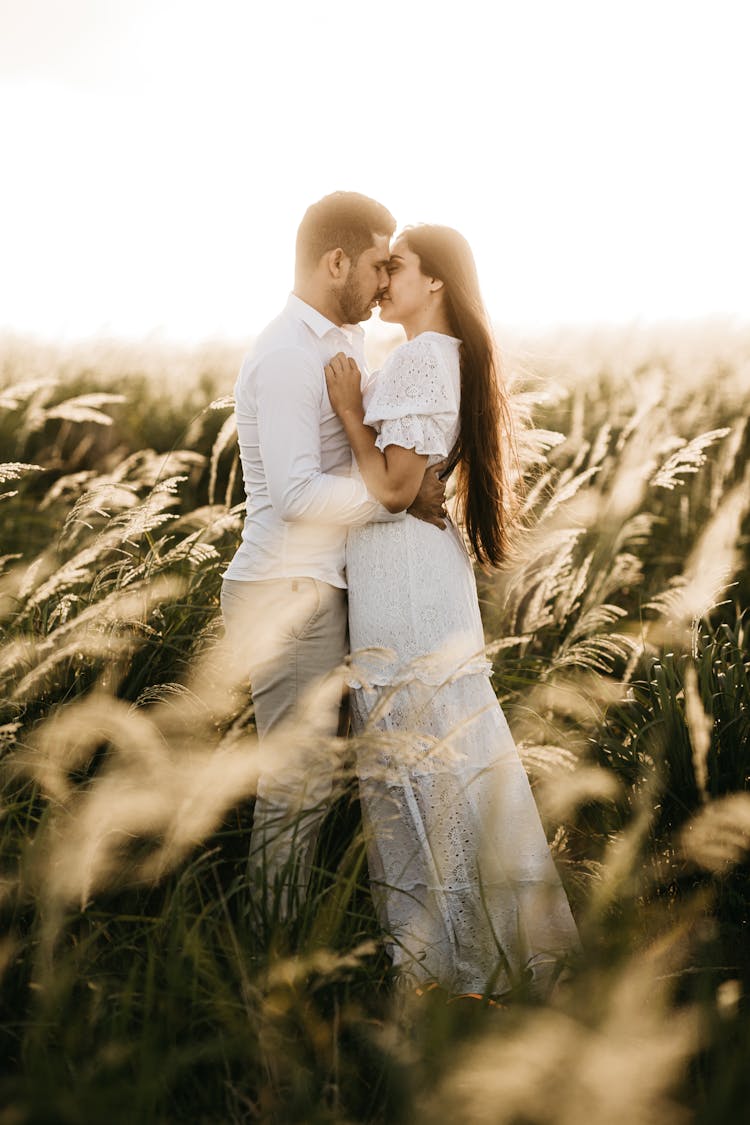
(296, 459)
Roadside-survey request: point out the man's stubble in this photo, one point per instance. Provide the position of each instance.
(354, 306)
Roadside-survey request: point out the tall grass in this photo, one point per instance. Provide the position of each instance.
(144, 978)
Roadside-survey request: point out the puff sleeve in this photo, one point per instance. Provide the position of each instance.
(413, 401)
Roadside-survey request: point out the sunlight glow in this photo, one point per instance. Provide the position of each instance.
(162, 154)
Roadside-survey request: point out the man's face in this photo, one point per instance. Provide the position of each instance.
(366, 280)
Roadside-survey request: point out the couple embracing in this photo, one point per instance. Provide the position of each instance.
(347, 547)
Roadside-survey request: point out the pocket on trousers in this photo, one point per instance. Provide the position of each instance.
(305, 593)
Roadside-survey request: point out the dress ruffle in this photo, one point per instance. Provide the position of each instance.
(418, 432)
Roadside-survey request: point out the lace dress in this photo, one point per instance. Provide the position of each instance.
(463, 881)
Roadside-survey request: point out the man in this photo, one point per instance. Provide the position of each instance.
(284, 593)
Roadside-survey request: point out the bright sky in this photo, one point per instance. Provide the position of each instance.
(159, 154)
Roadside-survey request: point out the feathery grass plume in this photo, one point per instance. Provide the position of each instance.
(570, 596)
(546, 758)
(161, 791)
(4, 561)
(590, 644)
(62, 610)
(112, 626)
(636, 531)
(134, 826)
(540, 579)
(148, 467)
(86, 648)
(562, 792)
(67, 487)
(601, 445)
(74, 732)
(631, 472)
(621, 873)
(16, 655)
(624, 573)
(226, 437)
(574, 702)
(689, 457)
(728, 997)
(80, 408)
(700, 726)
(34, 417)
(290, 972)
(232, 479)
(117, 501)
(102, 499)
(649, 404)
(151, 513)
(711, 565)
(120, 488)
(730, 460)
(132, 519)
(197, 425)
(616, 1054)
(14, 470)
(567, 487)
(171, 694)
(718, 838)
(213, 520)
(193, 550)
(75, 572)
(536, 491)
(14, 396)
(225, 402)
(84, 408)
(216, 688)
(534, 444)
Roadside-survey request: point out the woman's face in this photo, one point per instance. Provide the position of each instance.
(408, 291)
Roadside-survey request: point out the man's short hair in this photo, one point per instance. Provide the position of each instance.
(343, 219)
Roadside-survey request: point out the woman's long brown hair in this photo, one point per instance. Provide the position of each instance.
(486, 446)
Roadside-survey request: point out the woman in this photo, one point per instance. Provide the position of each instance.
(462, 875)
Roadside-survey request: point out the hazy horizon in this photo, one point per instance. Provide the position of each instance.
(163, 156)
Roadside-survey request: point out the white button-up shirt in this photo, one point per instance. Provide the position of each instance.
(296, 459)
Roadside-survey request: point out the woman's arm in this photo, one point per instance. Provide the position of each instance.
(393, 477)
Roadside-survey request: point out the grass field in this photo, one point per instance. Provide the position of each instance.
(140, 980)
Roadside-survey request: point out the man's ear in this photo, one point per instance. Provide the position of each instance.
(338, 263)
(435, 284)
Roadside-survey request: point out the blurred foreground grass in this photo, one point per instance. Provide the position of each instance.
(142, 981)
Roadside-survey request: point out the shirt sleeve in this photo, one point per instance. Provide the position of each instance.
(413, 401)
(289, 398)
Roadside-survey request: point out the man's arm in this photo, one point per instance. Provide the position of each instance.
(429, 503)
(288, 394)
(396, 475)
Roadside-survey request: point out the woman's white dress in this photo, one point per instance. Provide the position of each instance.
(463, 880)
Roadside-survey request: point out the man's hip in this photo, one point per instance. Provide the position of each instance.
(287, 634)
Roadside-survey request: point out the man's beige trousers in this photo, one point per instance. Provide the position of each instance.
(289, 635)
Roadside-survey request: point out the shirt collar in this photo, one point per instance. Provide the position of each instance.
(315, 320)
